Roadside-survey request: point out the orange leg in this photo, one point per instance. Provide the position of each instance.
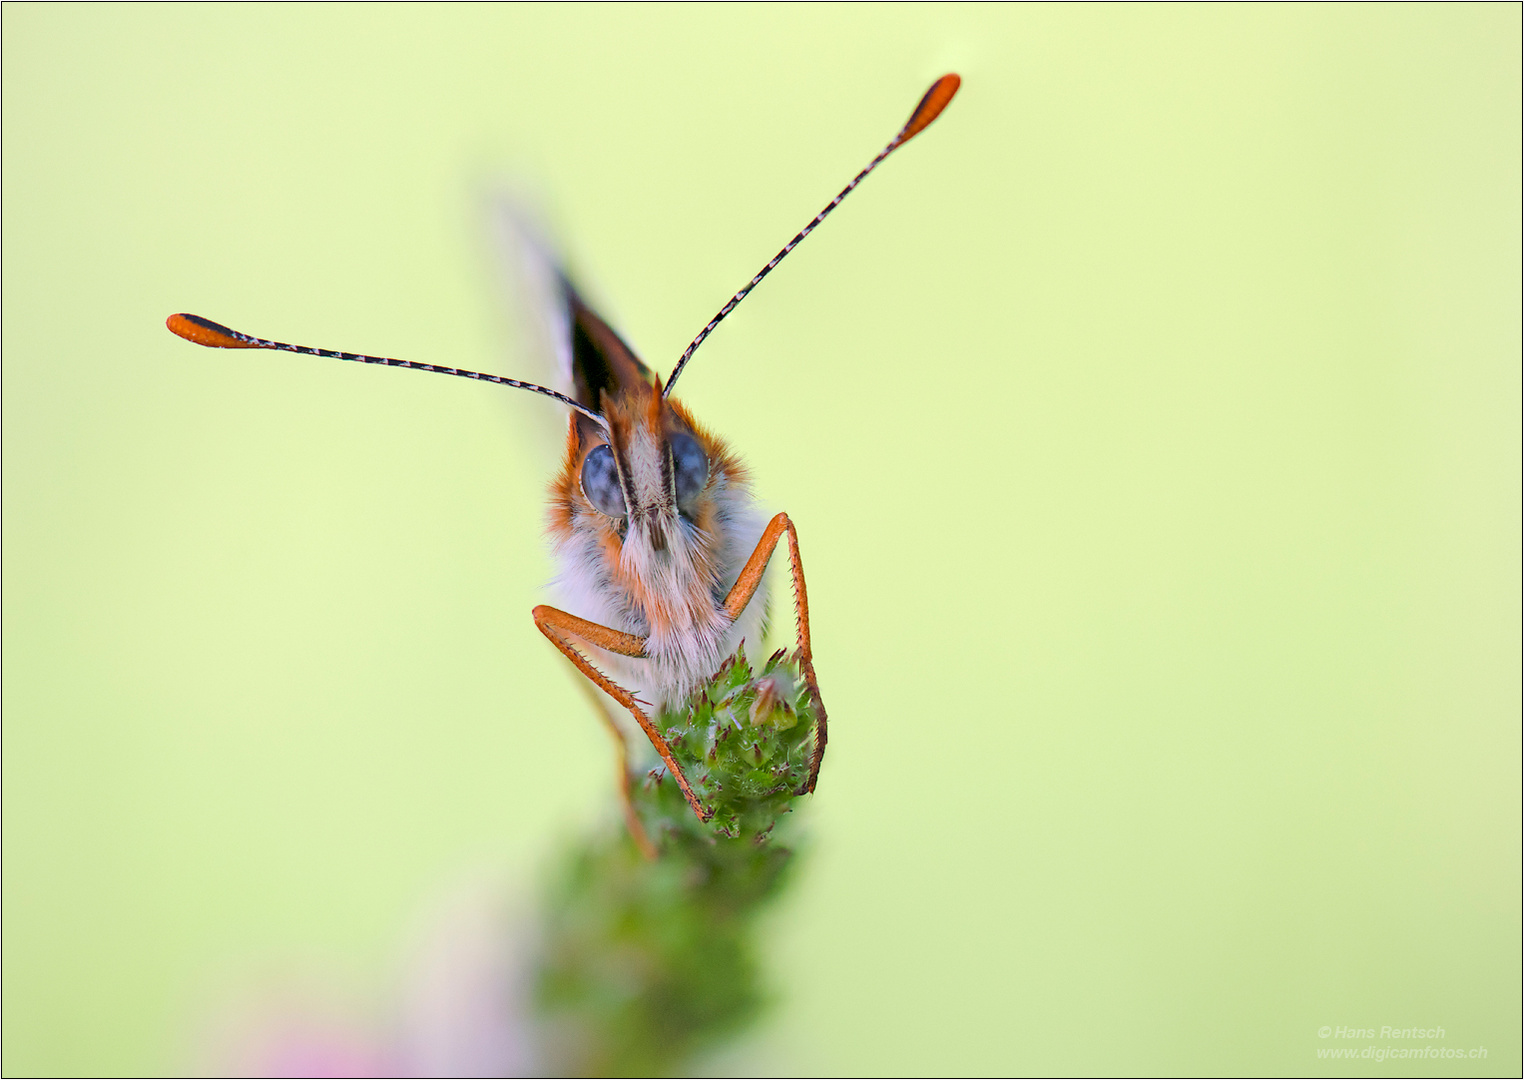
(632, 820)
(559, 627)
(746, 587)
(562, 628)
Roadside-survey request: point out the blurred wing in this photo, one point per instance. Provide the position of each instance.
(538, 288)
(589, 357)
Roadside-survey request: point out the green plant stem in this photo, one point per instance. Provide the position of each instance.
(648, 961)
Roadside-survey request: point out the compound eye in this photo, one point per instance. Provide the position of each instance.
(690, 468)
(600, 482)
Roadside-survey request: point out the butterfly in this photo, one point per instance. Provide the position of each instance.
(660, 546)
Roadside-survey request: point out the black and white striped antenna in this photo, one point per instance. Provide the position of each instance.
(216, 336)
(931, 105)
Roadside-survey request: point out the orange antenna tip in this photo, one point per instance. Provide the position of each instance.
(205, 332)
(931, 106)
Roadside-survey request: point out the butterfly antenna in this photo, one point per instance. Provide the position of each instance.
(931, 106)
(216, 336)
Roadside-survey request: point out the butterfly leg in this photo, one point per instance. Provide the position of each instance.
(745, 588)
(632, 820)
(563, 630)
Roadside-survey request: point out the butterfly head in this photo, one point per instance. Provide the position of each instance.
(648, 474)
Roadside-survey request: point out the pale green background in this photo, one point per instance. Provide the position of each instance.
(1151, 424)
